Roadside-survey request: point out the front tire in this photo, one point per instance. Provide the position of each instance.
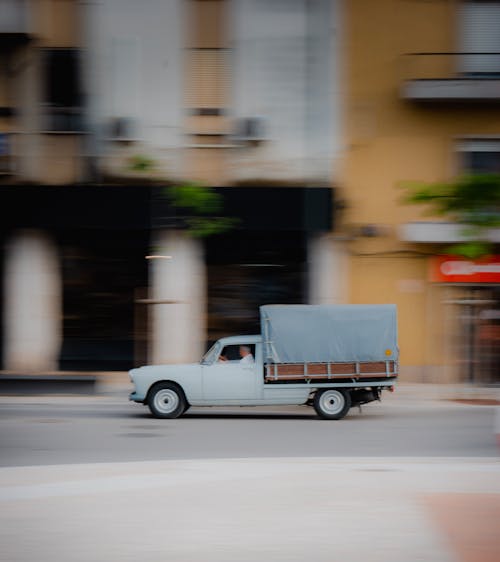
(166, 400)
(332, 404)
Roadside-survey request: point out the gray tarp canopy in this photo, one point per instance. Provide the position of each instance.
(329, 333)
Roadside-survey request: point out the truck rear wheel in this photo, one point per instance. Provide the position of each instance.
(331, 403)
(166, 400)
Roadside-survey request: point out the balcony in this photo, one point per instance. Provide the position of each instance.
(421, 232)
(451, 77)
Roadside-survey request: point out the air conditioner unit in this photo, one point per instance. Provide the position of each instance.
(122, 129)
(250, 129)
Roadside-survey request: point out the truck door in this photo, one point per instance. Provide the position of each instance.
(229, 378)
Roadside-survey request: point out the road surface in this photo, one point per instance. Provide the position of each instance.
(97, 478)
(61, 430)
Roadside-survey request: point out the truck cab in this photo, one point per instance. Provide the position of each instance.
(225, 377)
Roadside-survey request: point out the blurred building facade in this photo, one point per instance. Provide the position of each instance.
(285, 108)
(417, 108)
(104, 104)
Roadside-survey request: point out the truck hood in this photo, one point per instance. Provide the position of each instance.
(171, 371)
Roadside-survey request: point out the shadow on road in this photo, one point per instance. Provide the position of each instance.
(250, 416)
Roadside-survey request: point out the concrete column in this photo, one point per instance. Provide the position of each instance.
(328, 270)
(33, 303)
(178, 294)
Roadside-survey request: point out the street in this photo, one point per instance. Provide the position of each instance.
(59, 430)
(97, 478)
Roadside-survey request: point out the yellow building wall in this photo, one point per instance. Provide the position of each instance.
(389, 141)
(56, 23)
(61, 159)
(379, 280)
(422, 320)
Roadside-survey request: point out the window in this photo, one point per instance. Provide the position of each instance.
(6, 165)
(479, 156)
(62, 90)
(208, 59)
(237, 353)
(208, 80)
(480, 33)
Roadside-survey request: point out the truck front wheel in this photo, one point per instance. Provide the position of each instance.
(166, 400)
(332, 404)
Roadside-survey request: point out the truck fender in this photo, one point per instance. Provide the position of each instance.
(157, 383)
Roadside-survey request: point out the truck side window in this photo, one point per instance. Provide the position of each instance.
(235, 353)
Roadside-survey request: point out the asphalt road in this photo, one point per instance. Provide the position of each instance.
(71, 430)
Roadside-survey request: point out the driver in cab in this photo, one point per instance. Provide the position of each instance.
(245, 355)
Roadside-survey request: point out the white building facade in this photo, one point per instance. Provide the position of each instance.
(240, 95)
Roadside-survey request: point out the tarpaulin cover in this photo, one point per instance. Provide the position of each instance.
(329, 333)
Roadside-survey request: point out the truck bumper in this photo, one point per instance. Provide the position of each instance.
(134, 397)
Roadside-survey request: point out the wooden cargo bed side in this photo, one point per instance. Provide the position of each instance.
(328, 371)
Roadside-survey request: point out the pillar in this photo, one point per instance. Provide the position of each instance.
(33, 303)
(328, 270)
(178, 299)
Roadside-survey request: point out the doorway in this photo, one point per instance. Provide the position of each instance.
(102, 274)
(477, 345)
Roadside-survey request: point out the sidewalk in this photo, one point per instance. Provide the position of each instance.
(375, 510)
(459, 392)
(62, 382)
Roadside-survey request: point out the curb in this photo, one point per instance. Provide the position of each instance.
(47, 384)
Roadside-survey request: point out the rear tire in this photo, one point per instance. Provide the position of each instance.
(332, 403)
(166, 400)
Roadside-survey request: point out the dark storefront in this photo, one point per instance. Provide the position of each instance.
(263, 259)
(102, 234)
(246, 270)
(103, 272)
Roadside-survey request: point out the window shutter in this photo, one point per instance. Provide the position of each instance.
(480, 33)
(208, 78)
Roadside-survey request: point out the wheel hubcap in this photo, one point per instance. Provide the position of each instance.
(166, 400)
(332, 402)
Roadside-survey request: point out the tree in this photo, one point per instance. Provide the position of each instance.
(198, 210)
(472, 201)
(197, 207)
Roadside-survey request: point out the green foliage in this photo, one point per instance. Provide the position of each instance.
(472, 201)
(202, 227)
(470, 250)
(198, 208)
(140, 163)
(197, 198)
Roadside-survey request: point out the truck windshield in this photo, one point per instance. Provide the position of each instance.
(211, 355)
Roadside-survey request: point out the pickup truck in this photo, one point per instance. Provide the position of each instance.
(331, 357)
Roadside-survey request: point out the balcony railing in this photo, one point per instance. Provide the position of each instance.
(451, 76)
(62, 120)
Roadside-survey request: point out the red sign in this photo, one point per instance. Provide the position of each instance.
(452, 269)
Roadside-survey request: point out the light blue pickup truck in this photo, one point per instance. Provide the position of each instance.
(330, 357)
